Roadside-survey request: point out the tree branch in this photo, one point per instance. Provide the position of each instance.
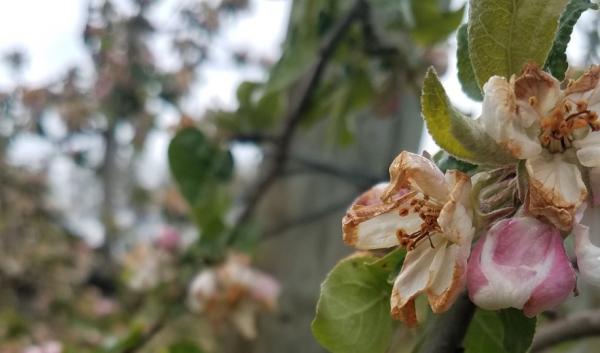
(357, 178)
(171, 308)
(579, 325)
(373, 43)
(298, 107)
(255, 137)
(306, 218)
(448, 330)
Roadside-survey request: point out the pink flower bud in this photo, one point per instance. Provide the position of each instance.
(520, 263)
(169, 239)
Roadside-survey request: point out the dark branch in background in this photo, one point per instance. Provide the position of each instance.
(360, 179)
(149, 334)
(448, 330)
(254, 138)
(580, 325)
(298, 107)
(108, 171)
(373, 43)
(307, 218)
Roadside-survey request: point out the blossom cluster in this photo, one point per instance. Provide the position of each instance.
(233, 292)
(505, 247)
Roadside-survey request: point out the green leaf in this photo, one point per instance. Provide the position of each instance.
(466, 76)
(258, 109)
(504, 331)
(200, 169)
(391, 262)
(518, 330)
(193, 160)
(460, 136)
(131, 339)
(506, 34)
(245, 92)
(353, 312)
(431, 23)
(556, 62)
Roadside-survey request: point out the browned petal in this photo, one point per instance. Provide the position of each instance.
(366, 206)
(406, 313)
(415, 172)
(550, 205)
(513, 147)
(586, 82)
(533, 82)
(461, 188)
(441, 302)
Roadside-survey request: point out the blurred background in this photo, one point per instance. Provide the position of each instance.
(174, 172)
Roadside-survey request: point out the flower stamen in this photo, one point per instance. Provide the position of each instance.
(558, 127)
(429, 212)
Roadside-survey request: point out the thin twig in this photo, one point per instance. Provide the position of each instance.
(158, 325)
(372, 41)
(147, 336)
(256, 137)
(579, 325)
(358, 178)
(299, 107)
(306, 218)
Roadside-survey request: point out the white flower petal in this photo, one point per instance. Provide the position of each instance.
(418, 270)
(409, 170)
(371, 223)
(244, 319)
(455, 219)
(443, 278)
(202, 289)
(587, 246)
(536, 90)
(588, 149)
(380, 231)
(500, 119)
(586, 89)
(450, 279)
(556, 189)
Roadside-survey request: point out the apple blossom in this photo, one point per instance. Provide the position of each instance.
(428, 213)
(554, 130)
(233, 292)
(146, 266)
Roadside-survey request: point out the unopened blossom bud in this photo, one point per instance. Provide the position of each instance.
(169, 239)
(520, 263)
(495, 195)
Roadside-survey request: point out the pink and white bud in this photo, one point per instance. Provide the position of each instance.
(169, 239)
(520, 263)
